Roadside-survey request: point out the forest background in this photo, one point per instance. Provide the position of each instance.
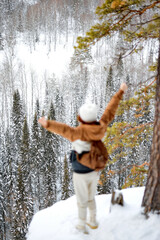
(34, 164)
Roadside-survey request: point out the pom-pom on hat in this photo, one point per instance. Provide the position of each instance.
(88, 112)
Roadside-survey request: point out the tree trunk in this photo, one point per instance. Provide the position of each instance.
(151, 198)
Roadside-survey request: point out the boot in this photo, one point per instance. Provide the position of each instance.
(92, 223)
(82, 214)
(81, 226)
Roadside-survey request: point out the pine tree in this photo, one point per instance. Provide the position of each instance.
(105, 184)
(2, 199)
(16, 138)
(151, 198)
(17, 118)
(65, 181)
(36, 162)
(118, 16)
(120, 71)
(55, 162)
(49, 171)
(121, 161)
(25, 166)
(80, 59)
(50, 164)
(36, 154)
(109, 84)
(37, 109)
(127, 136)
(20, 208)
(42, 166)
(80, 76)
(8, 183)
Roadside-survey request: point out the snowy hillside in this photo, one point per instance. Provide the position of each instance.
(122, 223)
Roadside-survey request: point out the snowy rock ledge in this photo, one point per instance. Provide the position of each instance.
(122, 223)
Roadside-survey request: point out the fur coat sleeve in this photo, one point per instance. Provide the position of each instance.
(111, 108)
(87, 132)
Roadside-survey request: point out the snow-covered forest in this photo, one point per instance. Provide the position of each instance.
(41, 74)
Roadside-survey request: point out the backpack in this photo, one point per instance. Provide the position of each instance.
(96, 158)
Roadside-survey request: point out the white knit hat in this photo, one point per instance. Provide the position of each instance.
(88, 112)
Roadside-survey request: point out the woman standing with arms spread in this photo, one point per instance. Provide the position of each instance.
(85, 169)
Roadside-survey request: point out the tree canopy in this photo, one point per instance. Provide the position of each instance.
(136, 20)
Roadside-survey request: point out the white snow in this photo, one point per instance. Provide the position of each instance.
(121, 223)
(42, 60)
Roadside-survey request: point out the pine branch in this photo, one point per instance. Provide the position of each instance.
(113, 172)
(145, 90)
(129, 130)
(140, 84)
(107, 27)
(143, 23)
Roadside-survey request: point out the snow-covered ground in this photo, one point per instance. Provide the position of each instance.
(122, 223)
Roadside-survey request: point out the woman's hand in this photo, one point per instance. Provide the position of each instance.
(43, 122)
(124, 87)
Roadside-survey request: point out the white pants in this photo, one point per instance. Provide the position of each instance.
(85, 186)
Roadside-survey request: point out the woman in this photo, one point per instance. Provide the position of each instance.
(85, 169)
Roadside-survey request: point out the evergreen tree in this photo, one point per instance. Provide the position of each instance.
(8, 183)
(151, 198)
(17, 119)
(50, 171)
(2, 199)
(55, 162)
(42, 166)
(80, 59)
(105, 184)
(121, 161)
(16, 138)
(59, 105)
(120, 72)
(145, 118)
(124, 138)
(111, 21)
(52, 112)
(109, 83)
(37, 109)
(20, 208)
(25, 167)
(80, 76)
(50, 164)
(36, 162)
(128, 93)
(65, 181)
